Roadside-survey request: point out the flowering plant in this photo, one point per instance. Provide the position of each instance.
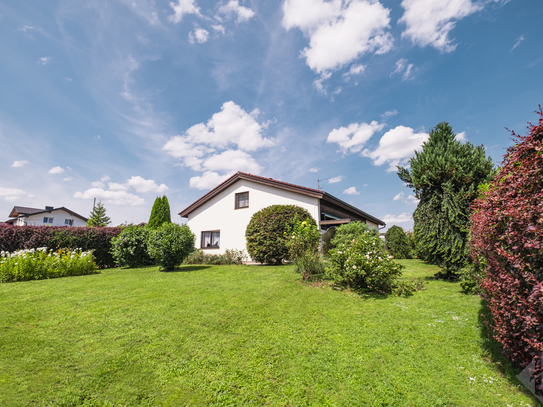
(302, 242)
(360, 264)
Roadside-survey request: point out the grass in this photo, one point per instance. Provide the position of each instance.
(245, 335)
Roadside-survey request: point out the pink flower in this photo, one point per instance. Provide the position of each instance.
(354, 267)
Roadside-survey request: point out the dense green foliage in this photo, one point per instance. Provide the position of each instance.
(170, 244)
(507, 233)
(160, 213)
(14, 238)
(230, 256)
(39, 264)
(267, 229)
(445, 176)
(98, 217)
(362, 264)
(349, 231)
(397, 243)
(302, 241)
(129, 249)
(245, 336)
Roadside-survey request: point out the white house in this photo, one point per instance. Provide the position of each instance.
(219, 218)
(49, 216)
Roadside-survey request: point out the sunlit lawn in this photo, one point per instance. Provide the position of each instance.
(244, 335)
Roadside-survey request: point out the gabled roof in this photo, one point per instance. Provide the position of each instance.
(315, 193)
(24, 211)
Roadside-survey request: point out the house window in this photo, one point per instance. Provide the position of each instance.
(47, 220)
(68, 222)
(211, 239)
(242, 200)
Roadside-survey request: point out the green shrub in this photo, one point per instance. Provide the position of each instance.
(472, 276)
(265, 233)
(170, 244)
(349, 231)
(38, 264)
(129, 248)
(231, 256)
(360, 264)
(302, 241)
(408, 288)
(397, 243)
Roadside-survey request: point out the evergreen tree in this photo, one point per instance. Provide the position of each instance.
(98, 216)
(397, 243)
(160, 213)
(445, 176)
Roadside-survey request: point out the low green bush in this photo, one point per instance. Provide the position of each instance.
(349, 231)
(38, 264)
(129, 248)
(302, 242)
(472, 276)
(361, 264)
(408, 288)
(170, 244)
(231, 256)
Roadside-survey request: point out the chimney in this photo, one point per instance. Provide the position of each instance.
(49, 208)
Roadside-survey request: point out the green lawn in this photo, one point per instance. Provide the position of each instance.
(244, 335)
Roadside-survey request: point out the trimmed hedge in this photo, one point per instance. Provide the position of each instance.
(507, 232)
(14, 238)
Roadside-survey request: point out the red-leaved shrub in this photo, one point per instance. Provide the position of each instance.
(13, 238)
(507, 231)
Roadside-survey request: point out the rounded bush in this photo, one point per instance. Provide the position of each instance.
(397, 243)
(347, 232)
(170, 244)
(129, 249)
(266, 231)
(507, 233)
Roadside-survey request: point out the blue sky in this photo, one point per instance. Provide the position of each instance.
(126, 100)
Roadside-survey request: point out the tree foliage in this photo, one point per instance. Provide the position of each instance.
(170, 244)
(507, 239)
(445, 176)
(267, 229)
(349, 231)
(397, 243)
(129, 249)
(98, 216)
(160, 213)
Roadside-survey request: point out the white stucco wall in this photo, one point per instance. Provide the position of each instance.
(59, 217)
(219, 212)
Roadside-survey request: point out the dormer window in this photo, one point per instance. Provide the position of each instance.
(242, 200)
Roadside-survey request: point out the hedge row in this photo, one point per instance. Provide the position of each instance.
(13, 238)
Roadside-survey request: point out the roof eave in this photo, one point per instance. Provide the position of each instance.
(339, 202)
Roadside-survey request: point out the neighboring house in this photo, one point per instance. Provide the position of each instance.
(49, 216)
(219, 218)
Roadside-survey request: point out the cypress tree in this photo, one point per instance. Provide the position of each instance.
(397, 243)
(445, 176)
(160, 213)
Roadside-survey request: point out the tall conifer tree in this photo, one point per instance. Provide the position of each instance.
(160, 213)
(98, 216)
(445, 176)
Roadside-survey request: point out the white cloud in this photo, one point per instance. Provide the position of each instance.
(318, 83)
(351, 191)
(18, 164)
(67, 179)
(461, 137)
(219, 28)
(517, 42)
(355, 70)
(233, 9)
(98, 184)
(120, 198)
(105, 178)
(409, 200)
(232, 125)
(208, 180)
(183, 7)
(314, 170)
(389, 113)
(97, 137)
(339, 32)
(352, 138)
(113, 186)
(396, 146)
(334, 180)
(232, 161)
(429, 22)
(11, 194)
(44, 60)
(403, 68)
(401, 218)
(199, 35)
(146, 185)
(56, 170)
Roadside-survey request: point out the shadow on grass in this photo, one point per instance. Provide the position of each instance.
(182, 269)
(493, 349)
